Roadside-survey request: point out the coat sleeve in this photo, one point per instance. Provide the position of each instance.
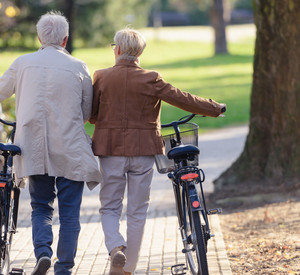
(8, 83)
(96, 98)
(87, 94)
(186, 101)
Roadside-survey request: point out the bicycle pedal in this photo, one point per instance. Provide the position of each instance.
(214, 211)
(17, 271)
(178, 269)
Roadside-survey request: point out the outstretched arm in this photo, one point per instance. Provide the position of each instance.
(187, 101)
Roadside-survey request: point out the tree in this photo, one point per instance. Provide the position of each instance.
(97, 22)
(271, 156)
(219, 25)
(69, 10)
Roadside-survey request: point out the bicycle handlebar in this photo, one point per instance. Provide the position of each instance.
(13, 124)
(178, 122)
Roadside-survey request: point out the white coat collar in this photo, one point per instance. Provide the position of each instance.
(54, 46)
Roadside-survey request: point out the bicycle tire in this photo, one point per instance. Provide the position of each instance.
(7, 228)
(4, 249)
(196, 253)
(5, 262)
(11, 226)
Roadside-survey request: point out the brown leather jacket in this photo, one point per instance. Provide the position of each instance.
(126, 109)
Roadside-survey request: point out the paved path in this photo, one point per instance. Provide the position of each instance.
(162, 246)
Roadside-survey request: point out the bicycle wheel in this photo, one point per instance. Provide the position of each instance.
(5, 261)
(195, 245)
(4, 248)
(13, 215)
(7, 228)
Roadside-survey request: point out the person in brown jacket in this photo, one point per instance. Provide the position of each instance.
(126, 113)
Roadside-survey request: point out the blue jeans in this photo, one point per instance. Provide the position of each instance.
(69, 193)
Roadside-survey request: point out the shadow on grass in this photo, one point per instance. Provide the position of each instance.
(217, 80)
(218, 60)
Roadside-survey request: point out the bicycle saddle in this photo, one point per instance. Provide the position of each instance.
(183, 152)
(12, 149)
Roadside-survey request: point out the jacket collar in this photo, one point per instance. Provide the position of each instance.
(127, 62)
(43, 47)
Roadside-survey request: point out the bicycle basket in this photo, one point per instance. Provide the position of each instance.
(189, 135)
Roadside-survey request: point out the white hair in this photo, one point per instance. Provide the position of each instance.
(132, 43)
(52, 28)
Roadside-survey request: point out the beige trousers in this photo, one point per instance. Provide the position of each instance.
(137, 173)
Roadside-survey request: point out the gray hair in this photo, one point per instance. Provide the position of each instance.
(132, 43)
(52, 28)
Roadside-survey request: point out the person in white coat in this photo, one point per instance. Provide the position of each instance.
(53, 93)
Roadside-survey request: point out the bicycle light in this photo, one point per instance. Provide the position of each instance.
(196, 204)
(189, 177)
(2, 184)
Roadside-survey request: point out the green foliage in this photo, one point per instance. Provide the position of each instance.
(18, 28)
(103, 18)
(95, 21)
(242, 4)
(197, 10)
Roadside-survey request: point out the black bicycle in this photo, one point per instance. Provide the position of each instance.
(9, 201)
(181, 163)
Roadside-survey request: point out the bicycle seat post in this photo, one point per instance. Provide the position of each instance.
(5, 164)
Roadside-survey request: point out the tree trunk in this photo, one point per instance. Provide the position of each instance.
(271, 157)
(157, 20)
(219, 26)
(69, 6)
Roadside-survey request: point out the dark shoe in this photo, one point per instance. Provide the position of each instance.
(42, 266)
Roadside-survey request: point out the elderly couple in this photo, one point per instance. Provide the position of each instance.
(54, 98)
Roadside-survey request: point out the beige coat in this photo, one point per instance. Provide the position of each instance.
(126, 109)
(53, 93)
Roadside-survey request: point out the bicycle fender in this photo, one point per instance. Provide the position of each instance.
(195, 201)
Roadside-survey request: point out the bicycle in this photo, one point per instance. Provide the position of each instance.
(9, 201)
(180, 162)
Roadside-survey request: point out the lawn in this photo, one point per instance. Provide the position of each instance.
(190, 66)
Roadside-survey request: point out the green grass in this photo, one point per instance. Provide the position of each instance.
(192, 67)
